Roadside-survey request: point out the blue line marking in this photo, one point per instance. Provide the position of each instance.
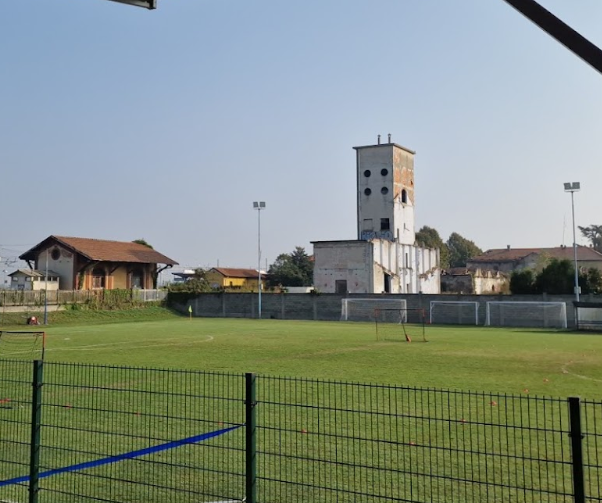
(121, 457)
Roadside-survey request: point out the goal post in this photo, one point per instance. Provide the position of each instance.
(400, 325)
(363, 309)
(28, 345)
(526, 314)
(454, 312)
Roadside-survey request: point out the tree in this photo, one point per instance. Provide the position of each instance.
(556, 278)
(522, 282)
(142, 242)
(594, 234)
(430, 238)
(292, 269)
(461, 250)
(196, 284)
(591, 281)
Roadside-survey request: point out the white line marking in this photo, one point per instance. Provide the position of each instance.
(565, 370)
(93, 347)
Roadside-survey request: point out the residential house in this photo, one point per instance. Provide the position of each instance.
(86, 264)
(30, 279)
(233, 278)
(508, 260)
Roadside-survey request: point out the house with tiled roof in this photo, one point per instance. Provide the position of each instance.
(510, 259)
(87, 264)
(30, 279)
(235, 278)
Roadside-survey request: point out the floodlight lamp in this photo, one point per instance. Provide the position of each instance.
(261, 204)
(572, 187)
(255, 204)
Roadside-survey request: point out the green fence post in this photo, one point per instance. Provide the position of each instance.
(251, 439)
(577, 449)
(36, 420)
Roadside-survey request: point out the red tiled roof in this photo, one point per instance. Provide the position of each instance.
(105, 251)
(584, 253)
(232, 272)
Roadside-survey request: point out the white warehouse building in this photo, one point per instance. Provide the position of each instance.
(384, 258)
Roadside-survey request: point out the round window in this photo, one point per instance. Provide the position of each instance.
(384, 190)
(55, 254)
(367, 192)
(367, 173)
(384, 171)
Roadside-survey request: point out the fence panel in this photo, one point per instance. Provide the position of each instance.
(329, 441)
(93, 412)
(592, 449)
(15, 425)
(314, 440)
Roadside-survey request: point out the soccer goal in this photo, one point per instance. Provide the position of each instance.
(457, 312)
(526, 314)
(22, 345)
(364, 309)
(400, 325)
(589, 315)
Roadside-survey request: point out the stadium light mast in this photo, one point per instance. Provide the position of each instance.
(572, 188)
(147, 4)
(259, 205)
(46, 291)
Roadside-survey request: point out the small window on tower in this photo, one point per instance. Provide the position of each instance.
(367, 173)
(55, 254)
(367, 192)
(384, 224)
(384, 190)
(404, 196)
(384, 171)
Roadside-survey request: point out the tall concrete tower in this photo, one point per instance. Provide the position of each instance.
(385, 192)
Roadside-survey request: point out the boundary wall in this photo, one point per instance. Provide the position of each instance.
(327, 307)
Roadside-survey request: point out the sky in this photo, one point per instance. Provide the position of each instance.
(121, 123)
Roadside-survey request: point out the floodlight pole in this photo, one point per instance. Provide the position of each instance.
(572, 188)
(259, 205)
(46, 291)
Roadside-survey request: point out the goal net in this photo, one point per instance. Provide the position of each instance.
(526, 314)
(400, 325)
(454, 312)
(22, 345)
(364, 309)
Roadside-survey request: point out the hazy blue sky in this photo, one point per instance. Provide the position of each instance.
(122, 123)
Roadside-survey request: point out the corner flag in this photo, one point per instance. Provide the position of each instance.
(190, 311)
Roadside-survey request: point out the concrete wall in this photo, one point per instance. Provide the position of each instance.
(327, 307)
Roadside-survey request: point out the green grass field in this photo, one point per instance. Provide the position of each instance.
(464, 358)
(319, 441)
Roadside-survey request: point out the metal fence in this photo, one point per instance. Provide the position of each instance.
(113, 434)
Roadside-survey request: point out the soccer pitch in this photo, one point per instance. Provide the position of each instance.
(318, 440)
(465, 358)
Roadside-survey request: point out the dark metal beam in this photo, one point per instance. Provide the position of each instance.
(147, 4)
(561, 31)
